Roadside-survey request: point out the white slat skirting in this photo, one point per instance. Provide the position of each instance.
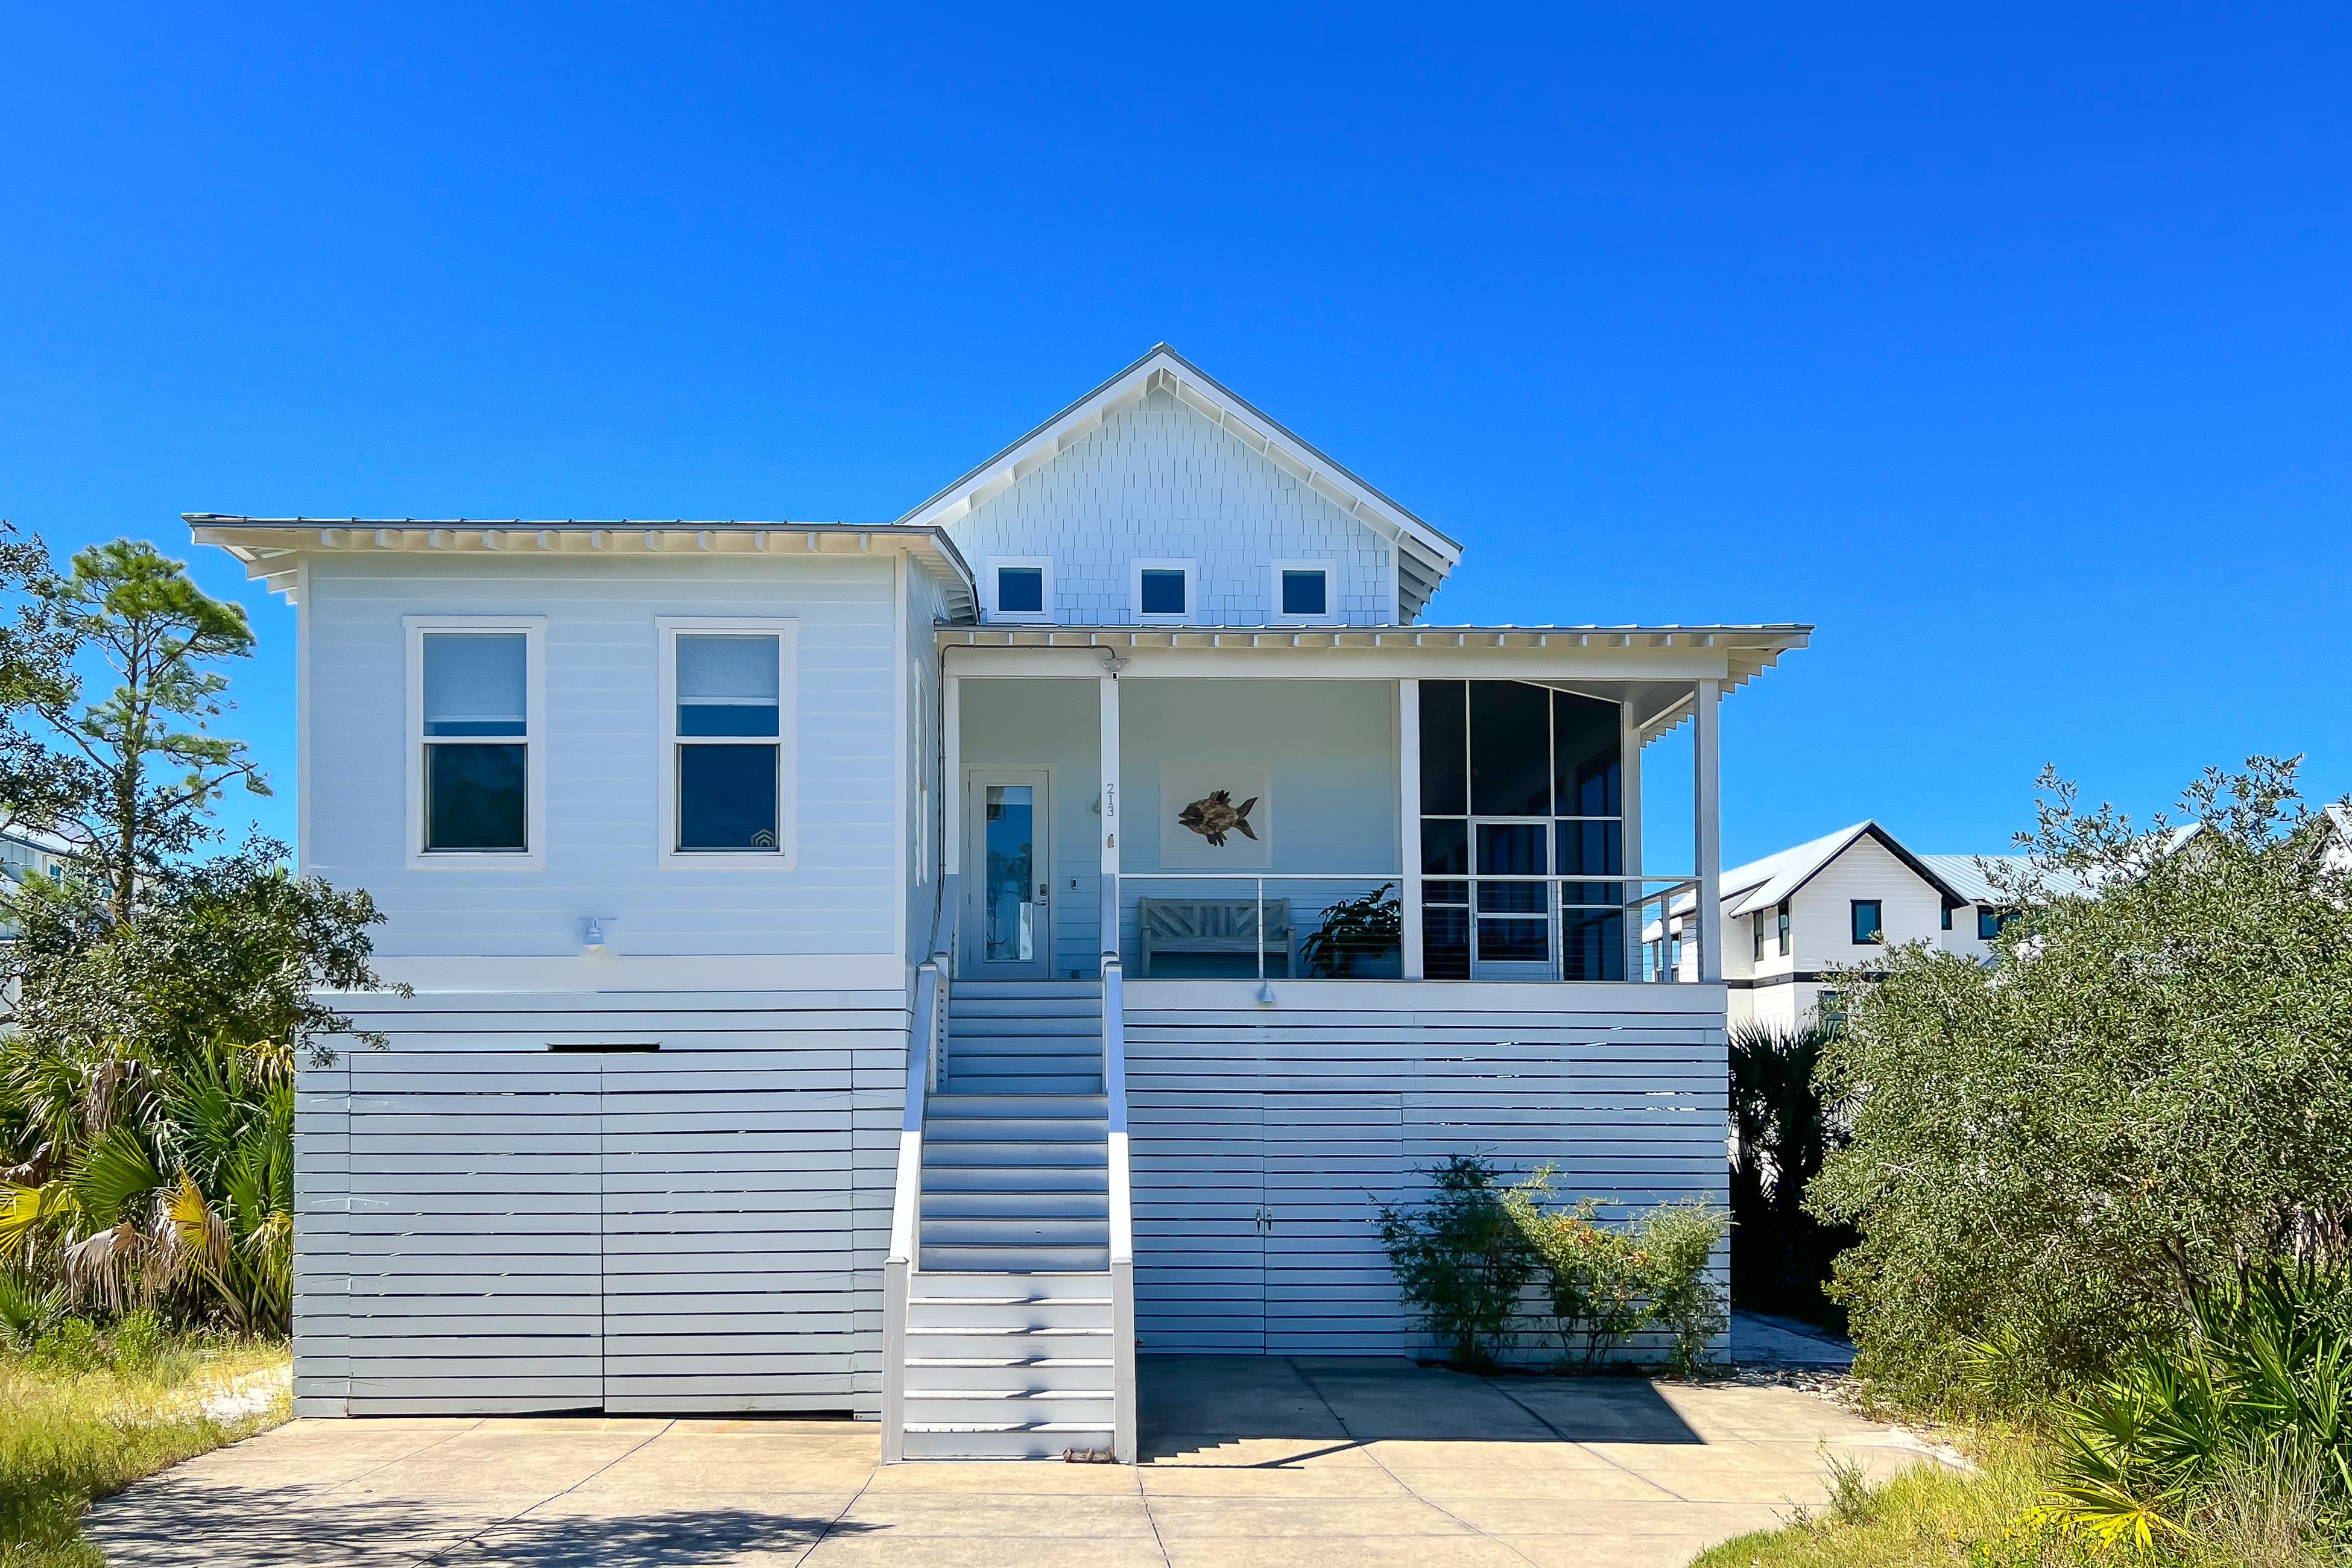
(485, 1225)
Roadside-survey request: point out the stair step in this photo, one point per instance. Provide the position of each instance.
(979, 1344)
(1016, 1083)
(1016, 1129)
(1015, 1178)
(1075, 1377)
(961, 986)
(936, 1406)
(1069, 1005)
(1021, 1230)
(1010, 1154)
(1093, 1207)
(974, 1440)
(1082, 1106)
(964, 1027)
(982, 1259)
(1012, 1317)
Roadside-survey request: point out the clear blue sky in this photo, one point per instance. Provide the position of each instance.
(2010, 348)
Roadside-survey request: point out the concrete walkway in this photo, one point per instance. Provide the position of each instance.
(1249, 1461)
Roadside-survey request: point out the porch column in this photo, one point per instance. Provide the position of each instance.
(1108, 685)
(1409, 821)
(1707, 798)
(1629, 802)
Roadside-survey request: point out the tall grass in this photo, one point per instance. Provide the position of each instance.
(82, 1414)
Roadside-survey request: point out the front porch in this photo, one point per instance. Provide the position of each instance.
(1210, 807)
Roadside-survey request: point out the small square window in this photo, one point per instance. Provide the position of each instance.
(1163, 591)
(1990, 923)
(1867, 923)
(1021, 590)
(1305, 593)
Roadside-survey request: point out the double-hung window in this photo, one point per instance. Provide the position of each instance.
(727, 742)
(477, 768)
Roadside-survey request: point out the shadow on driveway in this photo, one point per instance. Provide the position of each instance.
(1193, 1403)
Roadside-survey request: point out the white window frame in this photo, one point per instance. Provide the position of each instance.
(1045, 597)
(1192, 592)
(534, 857)
(1330, 616)
(786, 854)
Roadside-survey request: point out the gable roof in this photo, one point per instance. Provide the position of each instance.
(1762, 884)
(1425, 555)
(1968, 872)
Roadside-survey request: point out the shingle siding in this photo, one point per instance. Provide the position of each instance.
(1160, 482)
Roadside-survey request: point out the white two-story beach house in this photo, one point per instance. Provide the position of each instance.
(908, 969)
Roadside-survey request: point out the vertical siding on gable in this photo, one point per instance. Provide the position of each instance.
(1160, 482)
(1821, 913)
(602, 722)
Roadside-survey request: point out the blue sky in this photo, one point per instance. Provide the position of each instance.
(2008, 347)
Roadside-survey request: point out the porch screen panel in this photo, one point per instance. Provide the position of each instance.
(1507, 765)
(1589, 835)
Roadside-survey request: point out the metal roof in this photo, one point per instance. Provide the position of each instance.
(1766, 883)
(270, 546)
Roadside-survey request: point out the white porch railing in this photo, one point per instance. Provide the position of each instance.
(1122, 1210)
(925, 1036)
(1647, 903)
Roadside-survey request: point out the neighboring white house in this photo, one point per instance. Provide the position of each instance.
(1840, 901)
(26, 854)
(906, 968)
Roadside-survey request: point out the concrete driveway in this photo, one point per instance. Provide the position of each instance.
(1249, 1461)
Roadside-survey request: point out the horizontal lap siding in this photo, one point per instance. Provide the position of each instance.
(490, 1227)
(1322, 1116)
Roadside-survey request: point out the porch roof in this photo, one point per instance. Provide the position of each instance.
(272, 547)
(1746, 651)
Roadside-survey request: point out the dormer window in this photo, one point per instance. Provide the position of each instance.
(1302, 590)
(1163, 592)
(1020, 590)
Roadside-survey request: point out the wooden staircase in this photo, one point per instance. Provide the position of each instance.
(1008, 1347)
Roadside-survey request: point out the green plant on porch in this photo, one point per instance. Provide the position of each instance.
(1354, 931)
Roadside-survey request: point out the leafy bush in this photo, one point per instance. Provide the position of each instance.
(1675, 1243)
(1781, 1255)
(2239, 1424)
(1358, 936)
(2151, 1092)
(1592, 1274)
(1461, 1259)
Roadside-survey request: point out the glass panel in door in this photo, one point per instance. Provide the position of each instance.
(1007, 934)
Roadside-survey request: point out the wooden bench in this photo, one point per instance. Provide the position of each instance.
(1214, 928)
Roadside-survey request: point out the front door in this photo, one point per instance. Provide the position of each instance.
(1007, 875)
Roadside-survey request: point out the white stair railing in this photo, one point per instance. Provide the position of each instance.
(925, 1037)
(1122, 1211)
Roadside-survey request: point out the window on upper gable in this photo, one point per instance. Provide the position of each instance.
(1021, 590)
(1162, 590)
(1306, 592)
(1868, 924)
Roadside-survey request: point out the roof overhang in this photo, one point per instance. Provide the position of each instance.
(272, 547)
(1425, 555)
(1656, 668)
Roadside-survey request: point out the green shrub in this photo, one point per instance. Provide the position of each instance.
(1461, 1260)
(1675, 1243)
(1592, 1275)
(2238, 1426)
